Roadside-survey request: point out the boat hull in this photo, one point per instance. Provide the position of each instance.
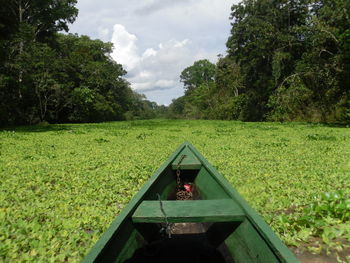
(216, 219)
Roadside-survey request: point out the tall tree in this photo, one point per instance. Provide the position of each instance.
(317, 89)
(201, 72)
(23, 24)
(264, 41)
(199, 83)
(44, 16)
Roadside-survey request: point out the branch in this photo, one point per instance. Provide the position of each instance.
(290, 76)
(326, 51)
(333, 36)
(293, 76)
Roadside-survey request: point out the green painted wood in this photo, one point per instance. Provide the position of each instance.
(248, 246)
(273, 242)
(223, 210)
(129, 248)
(124, 236)
(218, 232)
(121, 244)
(163, 186)
(111, 243)
(208, 186)
(189, 162)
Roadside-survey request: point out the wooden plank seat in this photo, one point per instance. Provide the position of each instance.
(219, 210)
(186, 161)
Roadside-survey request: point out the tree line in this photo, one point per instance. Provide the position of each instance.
(287, 60)
(48, 76)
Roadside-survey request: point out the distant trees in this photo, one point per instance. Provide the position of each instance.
(287, 60)
(49, 76)
(198, 82)
(218, 95)
(202, 72)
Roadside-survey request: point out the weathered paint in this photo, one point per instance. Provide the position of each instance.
(110, 246)
(224, 210)
(268, 236)
(246, 235)
(186, 161)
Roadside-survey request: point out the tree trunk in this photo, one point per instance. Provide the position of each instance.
(21, 45)
(236, 92)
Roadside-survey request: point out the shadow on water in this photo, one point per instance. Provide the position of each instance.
(38, 128)
(121, 125)
(336, 125)
(69, 127)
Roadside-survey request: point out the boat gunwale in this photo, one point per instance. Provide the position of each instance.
(263, 229)
(99, 246)
(276, 245)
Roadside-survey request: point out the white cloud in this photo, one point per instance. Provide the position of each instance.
(142, 86)
(156, 39)
(125, 49)
(164, 83)
(182, 43)
(157, 68)
(151, 6)
(145, 74)
(149, 52)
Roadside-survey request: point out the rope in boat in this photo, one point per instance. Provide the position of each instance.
(167, 227)
(180, 195)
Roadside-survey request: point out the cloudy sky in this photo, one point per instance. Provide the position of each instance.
(156, 39)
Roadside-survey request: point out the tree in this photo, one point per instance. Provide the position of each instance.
(201, 72)
(98, 92)
(321, 71)
(48, 76)
(24, 24)
(228, 78)
(177, 107)
(265, 41)
(287, 60)
(199, 83)
(45, 17)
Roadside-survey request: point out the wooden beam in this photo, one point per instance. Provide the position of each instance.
(221, 210)
(186, 161)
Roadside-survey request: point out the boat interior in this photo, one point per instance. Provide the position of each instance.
(188, 236)
(204, 223)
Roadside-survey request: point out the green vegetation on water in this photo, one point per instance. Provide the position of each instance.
(62, 185)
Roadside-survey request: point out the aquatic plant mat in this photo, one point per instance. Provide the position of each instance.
(62, 185)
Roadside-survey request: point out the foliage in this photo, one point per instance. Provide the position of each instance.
(48, 76)
(216, 96)
(202, 72)
(290, 59)
(177, 107)
(199, 87)
(27, 30)
(62, 185)
(291, 56)
(326, 217)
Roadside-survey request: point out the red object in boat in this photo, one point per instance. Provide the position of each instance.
(187, 188)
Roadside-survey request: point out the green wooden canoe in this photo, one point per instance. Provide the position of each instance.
(215, 225)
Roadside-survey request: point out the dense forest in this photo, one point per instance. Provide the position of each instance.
(288, 60)
(48, 76)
